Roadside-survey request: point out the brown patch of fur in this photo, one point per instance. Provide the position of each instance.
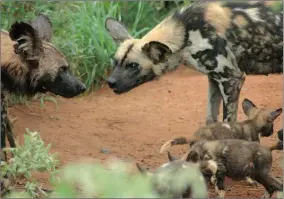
(218, 16)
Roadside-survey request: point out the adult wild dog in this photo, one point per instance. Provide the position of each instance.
(222, 40)
(237, 159)
(31, 64)
(259, 124)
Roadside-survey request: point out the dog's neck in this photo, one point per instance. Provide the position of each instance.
(251, 126)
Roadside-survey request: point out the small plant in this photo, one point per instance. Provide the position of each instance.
(30, 157)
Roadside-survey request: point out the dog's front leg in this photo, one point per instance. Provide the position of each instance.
(219, 185)
(230, 89)
(213, 101)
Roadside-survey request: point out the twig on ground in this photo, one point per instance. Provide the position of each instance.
(31, 114)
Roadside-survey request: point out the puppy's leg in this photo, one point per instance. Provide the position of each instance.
(214, 101)
(219, 185)
(220, 178)
(251, 182)
(270, 183)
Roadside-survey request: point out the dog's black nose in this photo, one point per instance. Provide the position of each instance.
(111, 82)
(82, 88)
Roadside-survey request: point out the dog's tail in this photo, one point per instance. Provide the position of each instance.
(279, 144)
(176, 141)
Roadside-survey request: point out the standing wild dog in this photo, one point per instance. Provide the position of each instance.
(259, 123)
(222, 40)
(31, 64)
(237, 159)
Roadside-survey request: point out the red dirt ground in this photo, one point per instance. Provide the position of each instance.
(133, 126)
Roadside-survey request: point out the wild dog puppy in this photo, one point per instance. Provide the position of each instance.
(259, 123)
(237, 159)
(220, 39)
(163, 178)
(31, 64)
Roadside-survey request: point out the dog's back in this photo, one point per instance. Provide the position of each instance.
(239, 157)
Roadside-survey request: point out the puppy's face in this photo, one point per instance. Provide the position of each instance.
(263, 117)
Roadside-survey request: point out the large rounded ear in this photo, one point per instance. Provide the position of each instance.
(116, 30)
(43, 26)
(247, 106)
(192, 156)
(273, 115)
(28, 44)
(157, 51)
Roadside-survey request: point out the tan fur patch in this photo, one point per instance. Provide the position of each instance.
(8, 57)
(168, 32)
(218, 16)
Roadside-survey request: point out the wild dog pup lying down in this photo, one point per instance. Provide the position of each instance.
(166, 178)
(259, 123)
(237, 159)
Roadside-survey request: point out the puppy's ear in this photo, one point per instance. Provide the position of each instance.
(192, 156)
(273, 115)
(157, 51)
(280, 134)
(247, 106)
(28, 44)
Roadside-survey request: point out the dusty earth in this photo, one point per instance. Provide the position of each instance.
(134, 125)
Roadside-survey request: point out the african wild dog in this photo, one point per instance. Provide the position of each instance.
(259, 123)
(237, 159)
(222, 40)
(163, 178)
(31, 64)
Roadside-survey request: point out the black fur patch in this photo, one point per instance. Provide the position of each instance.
(126, 53)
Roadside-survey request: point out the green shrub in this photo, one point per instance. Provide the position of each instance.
(77, 180)
(32, 156)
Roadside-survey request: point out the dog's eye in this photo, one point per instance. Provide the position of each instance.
(63, 68)
(132, 65)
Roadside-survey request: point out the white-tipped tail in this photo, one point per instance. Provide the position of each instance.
(166, 146)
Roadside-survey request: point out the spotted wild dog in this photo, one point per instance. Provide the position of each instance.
(237, 159)
(31, 64)
(163, 178)
(259, 123)
(224, 40)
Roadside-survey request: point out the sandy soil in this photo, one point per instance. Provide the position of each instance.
(133, 126)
